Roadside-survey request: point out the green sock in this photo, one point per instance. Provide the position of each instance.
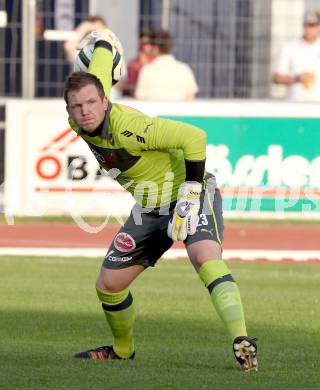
(225, 295)
(120, 313)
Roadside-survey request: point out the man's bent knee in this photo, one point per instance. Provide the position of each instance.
(107, 286)
(116, 280)
(202, 251)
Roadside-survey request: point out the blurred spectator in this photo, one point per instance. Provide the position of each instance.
(92, 23)
(145, 56)
(298, 62)
(165, 78)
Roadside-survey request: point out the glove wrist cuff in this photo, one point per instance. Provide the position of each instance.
(190, 188)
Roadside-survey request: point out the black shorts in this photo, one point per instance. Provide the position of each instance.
(143, 238)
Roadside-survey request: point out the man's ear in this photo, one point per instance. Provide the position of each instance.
(67, 108)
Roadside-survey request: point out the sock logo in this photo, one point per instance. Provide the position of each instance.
(124, 242)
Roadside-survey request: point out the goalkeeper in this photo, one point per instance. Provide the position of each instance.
(162, 164)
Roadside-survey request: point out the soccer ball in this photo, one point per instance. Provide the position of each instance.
(84, 56)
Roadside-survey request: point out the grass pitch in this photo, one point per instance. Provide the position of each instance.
(49, 311)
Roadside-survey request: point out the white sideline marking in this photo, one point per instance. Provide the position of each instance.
(243, 254)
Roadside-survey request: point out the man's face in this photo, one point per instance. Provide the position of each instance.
(87, 108)
(145, 46)
(311, 32)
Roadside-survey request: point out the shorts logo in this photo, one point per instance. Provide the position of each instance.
(117, 259)
(123, 242)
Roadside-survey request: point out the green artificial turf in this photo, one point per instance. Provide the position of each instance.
(49, 311)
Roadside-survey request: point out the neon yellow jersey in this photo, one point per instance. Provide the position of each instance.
(146, 155)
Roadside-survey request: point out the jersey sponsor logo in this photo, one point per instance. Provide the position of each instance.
(99, 156)
(127, 133)
(113, 158)
(109, 159)
(124, 242)
(140, 139)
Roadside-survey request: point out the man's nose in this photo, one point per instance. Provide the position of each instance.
(84, 109)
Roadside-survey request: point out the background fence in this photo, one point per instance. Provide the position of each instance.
(230, 44)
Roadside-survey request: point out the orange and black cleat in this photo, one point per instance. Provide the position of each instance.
(101, 353)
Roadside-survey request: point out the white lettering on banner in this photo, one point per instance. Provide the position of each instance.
(271, 170)
(58, 173)
(315, 172)
(314, 205)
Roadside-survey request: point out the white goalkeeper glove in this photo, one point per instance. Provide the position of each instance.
(185, 217)
(104, 35)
